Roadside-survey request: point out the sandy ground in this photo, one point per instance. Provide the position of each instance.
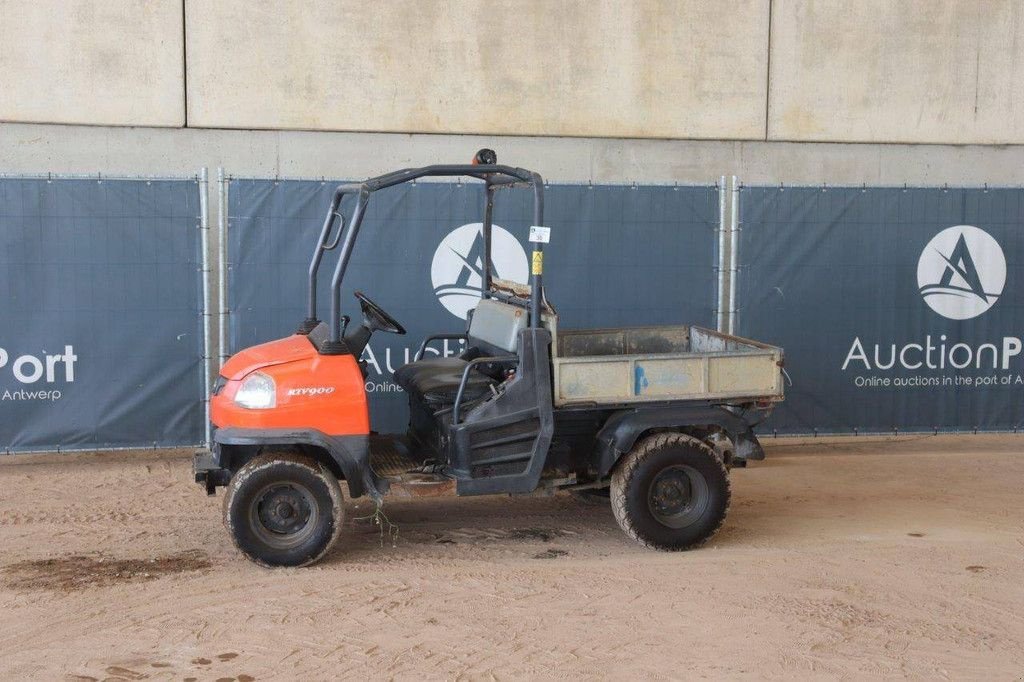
(852, 558)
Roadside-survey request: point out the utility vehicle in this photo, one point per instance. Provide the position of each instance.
(655, 416)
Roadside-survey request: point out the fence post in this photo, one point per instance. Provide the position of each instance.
(222, 265)
(734, 227)
(204, 233)
(720, 304)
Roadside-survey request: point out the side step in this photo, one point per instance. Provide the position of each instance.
(406, 476)
(421, 485)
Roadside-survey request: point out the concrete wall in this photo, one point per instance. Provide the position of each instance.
(644, 68)
(115, 62)
(90, 150)
(917, 71)
(906, 71)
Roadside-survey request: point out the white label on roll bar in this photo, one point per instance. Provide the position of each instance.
(540, 234)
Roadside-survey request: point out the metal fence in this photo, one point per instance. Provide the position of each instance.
(900, 309)
(620, 255)
(102, 340)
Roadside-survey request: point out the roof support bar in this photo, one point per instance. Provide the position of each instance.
(494, 176)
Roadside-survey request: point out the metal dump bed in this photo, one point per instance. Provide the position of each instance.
(647, 364)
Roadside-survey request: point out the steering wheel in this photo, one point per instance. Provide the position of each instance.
(375, 318)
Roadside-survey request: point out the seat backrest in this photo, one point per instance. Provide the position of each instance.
(497, 324)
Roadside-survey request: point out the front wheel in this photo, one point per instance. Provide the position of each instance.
(283, 509)
(670, 492)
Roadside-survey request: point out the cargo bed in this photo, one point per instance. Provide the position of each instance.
(647, 364)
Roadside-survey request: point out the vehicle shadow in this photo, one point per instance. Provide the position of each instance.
(473, 528)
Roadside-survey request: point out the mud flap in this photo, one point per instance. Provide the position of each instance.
(747, 445)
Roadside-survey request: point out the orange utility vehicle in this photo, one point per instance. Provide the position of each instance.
(651, 417)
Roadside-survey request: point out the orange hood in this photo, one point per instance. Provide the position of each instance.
(289, 349)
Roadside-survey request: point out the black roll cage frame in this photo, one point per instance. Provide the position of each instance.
(495, 176)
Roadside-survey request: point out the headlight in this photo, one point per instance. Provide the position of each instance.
(257, 392)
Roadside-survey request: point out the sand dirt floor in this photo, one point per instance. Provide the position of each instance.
(854, 558)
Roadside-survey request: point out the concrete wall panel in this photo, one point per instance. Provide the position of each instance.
(99, 62)
(908, 71)
(605, 68)
(33, 148)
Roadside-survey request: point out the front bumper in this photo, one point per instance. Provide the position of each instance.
(207, 469)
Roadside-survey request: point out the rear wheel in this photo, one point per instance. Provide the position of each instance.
(671, 492)
(283, 509)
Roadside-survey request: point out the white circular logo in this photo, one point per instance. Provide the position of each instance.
(961, 272)
(456, 271)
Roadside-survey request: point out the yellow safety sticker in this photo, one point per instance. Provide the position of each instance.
(538, 262)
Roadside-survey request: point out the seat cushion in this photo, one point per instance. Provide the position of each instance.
(406, 375)
(437, 380)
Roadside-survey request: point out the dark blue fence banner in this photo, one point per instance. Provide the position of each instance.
(619, 255)
(101, 338)
(899, 309)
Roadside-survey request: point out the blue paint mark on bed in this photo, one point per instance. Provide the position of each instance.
(639, 380)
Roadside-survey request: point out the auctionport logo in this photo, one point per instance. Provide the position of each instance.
(457, 269)
(32, 370)
(961, 272)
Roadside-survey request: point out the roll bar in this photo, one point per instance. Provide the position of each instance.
(494, 176)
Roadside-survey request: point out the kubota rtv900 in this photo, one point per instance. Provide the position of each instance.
(656, 416)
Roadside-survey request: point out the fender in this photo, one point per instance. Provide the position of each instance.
(350, 454)
(622, 429)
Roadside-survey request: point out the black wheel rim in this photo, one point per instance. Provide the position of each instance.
(284, 515)
(678, 496)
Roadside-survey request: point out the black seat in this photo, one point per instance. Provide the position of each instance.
(493, 331)
(437, 380)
